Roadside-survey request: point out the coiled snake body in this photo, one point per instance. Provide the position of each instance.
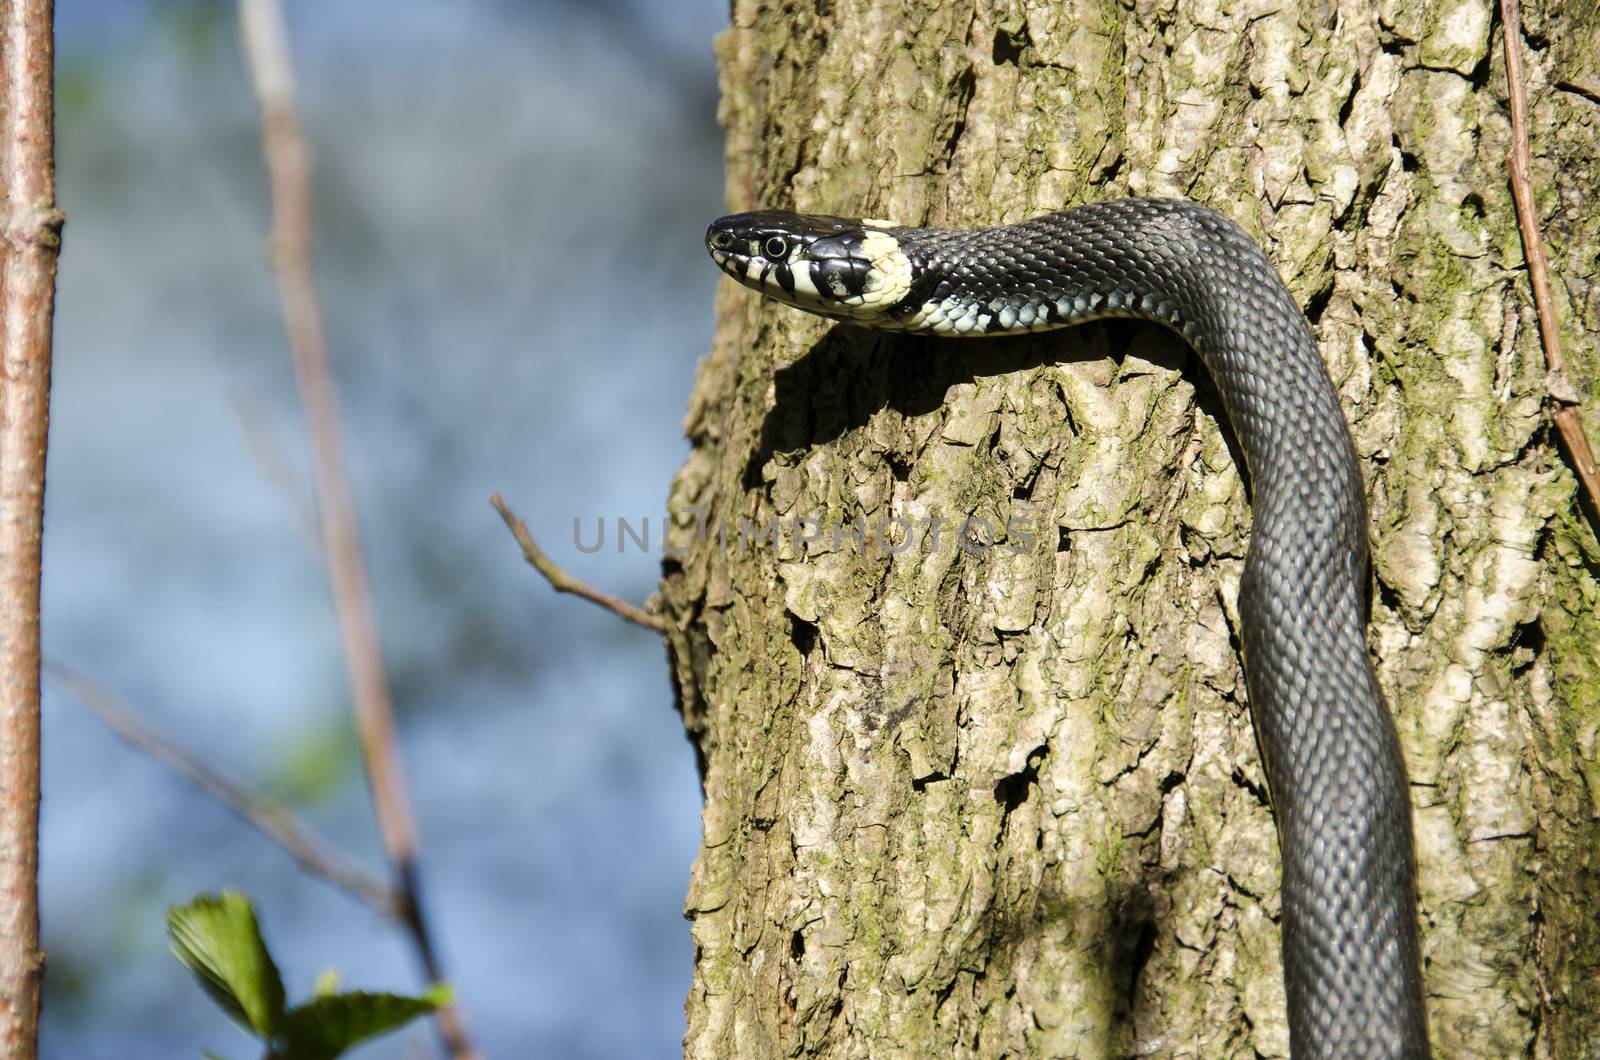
(1332, 760)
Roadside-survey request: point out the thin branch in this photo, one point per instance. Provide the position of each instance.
(30, 230)
(271, 818)
(288, 161)
(562, 582)
(1562, 396)
(275, 467)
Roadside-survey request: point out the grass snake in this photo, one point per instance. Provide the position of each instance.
(1332, 759)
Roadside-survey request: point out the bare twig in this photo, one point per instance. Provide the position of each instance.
(28, 250)
(275, 467)
(288, 162)
(269, 817)
(562, 582)
(1562, 397)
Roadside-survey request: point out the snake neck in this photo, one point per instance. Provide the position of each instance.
(1169, 261)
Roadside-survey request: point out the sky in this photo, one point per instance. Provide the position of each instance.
(511, 199)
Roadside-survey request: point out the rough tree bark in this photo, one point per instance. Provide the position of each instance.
(1007, 801)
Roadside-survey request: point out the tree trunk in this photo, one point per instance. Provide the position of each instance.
(991, 787)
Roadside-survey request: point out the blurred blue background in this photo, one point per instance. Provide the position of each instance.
(511, 199)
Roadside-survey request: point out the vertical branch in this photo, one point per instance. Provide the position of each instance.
(31, 240)
(1563, 398)
(289, 170)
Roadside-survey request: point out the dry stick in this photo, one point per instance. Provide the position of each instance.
(562, 582)
(275, 467)
(1564, 401)
(268, 816)
(288, 162)
(29, 244)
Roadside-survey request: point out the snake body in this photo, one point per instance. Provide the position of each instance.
(1331, 756)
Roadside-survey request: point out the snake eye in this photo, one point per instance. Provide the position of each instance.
(776, 248)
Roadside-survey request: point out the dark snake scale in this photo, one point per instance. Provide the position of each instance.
(1332, 760)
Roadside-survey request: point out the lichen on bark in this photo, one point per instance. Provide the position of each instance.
(993, 789)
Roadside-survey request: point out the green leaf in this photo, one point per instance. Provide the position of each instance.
(324, 1027)
(218, 940)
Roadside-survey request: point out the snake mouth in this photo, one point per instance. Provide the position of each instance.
(732, 264)
(731, 251)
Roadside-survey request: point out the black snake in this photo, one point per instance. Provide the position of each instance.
(1332, 760)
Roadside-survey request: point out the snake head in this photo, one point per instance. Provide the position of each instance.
(832, 266)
